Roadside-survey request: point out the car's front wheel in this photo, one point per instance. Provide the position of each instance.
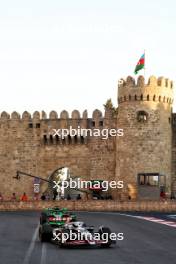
(43, 237)
(105, 233)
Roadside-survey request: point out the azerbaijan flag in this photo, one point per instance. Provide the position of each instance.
(140, 65)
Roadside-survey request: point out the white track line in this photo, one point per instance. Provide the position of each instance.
(151, 219)
(147, 218)
(31, 246)
(158, 221)
(43, 256)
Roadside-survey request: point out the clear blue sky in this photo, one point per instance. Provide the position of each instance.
(69, 54)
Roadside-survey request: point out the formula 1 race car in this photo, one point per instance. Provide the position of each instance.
(51, 218)
(78, 234)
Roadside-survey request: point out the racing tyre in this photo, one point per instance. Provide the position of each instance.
(43, 237)
(43, 219)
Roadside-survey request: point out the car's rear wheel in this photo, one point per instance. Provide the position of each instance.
(43, 237)
(43, 218)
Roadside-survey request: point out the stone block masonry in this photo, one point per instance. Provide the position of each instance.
(148, 145)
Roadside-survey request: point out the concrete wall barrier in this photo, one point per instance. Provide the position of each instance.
(116, 206)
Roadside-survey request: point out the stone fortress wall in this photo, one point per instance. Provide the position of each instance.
(26, 142)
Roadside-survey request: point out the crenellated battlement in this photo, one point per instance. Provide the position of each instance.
(156, 89)
(152, 81)
(53, 115)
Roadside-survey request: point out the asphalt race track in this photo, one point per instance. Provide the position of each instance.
(144, 241)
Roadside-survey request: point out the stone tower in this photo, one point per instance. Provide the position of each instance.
(144, 112)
